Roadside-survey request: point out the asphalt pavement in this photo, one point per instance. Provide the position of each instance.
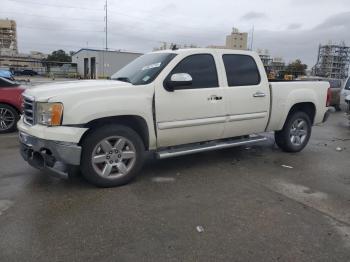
(241, 204)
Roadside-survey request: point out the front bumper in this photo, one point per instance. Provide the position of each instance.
(48, 155)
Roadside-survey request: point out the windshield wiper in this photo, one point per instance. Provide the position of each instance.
(123, 79)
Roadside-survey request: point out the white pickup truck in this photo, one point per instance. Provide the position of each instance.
(171, 103)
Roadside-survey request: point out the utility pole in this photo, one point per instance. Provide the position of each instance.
(106, 26)
(252, 40)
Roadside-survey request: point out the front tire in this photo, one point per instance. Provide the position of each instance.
(112, 156)
(8, 118)
(295, 134)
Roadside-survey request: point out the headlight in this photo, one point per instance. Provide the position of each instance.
(49, 114)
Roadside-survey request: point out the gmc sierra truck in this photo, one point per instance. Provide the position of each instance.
(170, 103)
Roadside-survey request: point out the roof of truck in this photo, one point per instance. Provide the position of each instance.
(205, 50)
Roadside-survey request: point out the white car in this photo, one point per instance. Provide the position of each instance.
(171, 103)
(346, 90)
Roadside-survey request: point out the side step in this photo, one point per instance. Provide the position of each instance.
(208, 146)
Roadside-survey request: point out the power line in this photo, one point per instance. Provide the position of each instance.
(59, 29)
(115, 12)
(52, 17)
(54, 5)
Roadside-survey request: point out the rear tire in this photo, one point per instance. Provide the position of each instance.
(112, 156)
(295, 134)
(8, 119)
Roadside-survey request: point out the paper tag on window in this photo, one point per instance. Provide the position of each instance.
(146, 78)
(151, 66)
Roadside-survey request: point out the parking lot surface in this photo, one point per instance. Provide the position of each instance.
(242, 204)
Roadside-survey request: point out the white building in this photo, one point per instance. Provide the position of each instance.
(94, 64)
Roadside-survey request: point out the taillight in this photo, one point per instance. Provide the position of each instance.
(329, 97)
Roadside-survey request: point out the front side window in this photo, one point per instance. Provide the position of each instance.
(202, 69)
(241, 70)
(144, 69)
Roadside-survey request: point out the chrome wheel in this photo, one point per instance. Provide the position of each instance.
(298, 132)
(7, 119)
(113, 157)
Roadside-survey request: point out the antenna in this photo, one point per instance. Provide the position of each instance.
(106, 25)
(252, 40)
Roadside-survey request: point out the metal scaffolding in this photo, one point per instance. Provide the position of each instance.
(333, 61)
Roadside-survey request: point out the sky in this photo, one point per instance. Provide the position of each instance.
(291, 29)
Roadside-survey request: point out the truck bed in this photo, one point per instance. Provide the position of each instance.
(284, 94)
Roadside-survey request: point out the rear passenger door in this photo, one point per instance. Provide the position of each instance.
(247, 96)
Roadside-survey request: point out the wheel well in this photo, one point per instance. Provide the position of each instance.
(15, 108)
(306, 107)
(137, 123)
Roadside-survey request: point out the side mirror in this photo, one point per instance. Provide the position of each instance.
(176, 80)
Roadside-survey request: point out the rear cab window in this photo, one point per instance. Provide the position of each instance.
(241, 70)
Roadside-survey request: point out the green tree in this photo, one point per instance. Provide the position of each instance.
(296, 68)
(59, 56)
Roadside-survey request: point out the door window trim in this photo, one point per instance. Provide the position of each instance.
(251, 57)
(189, 88)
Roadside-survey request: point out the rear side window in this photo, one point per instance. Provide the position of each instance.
(347, 86)
(335, 83)
(202, 69)
(241, 70)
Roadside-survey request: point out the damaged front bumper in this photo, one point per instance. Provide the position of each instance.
(53, 157)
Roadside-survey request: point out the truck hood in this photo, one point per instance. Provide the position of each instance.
(46, 92)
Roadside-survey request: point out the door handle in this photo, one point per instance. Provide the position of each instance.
(214, 97)
(259, 94)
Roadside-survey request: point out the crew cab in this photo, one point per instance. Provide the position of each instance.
(10, 105)
(170, 103)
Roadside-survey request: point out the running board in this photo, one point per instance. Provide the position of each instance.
(208, 146)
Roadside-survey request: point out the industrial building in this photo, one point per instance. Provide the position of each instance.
(94, 63)
(33, 61)
(332, 61)
(236, 40)
(266, 58)
(274, 66)
(8, 37)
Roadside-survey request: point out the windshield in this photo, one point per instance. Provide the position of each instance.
(347, 86)
(7, 83)
(144, 69)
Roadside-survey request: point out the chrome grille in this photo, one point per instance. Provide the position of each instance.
(29, 110)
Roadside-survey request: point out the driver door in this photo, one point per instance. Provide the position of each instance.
(191, 113)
